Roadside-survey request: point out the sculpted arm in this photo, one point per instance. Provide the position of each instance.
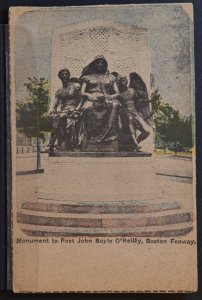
(83, 91)
(116, 91)
(81, 103)
(55, 104)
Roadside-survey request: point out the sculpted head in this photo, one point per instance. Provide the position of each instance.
(136, 82)
(114, 75)
(123, 83)
(98, 66)
(64, 75)
(76, 83)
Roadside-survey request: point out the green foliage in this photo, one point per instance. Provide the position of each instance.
(171, 127)
(156, 97)
(32, 117)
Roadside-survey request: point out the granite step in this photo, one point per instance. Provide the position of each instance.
(46, 217)
(110, 207)
(172, 230)
(85, 221)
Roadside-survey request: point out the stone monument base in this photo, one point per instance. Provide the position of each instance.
(102, 197)
(92, 148)
(92, 145)
(100, 154)
(98, 176)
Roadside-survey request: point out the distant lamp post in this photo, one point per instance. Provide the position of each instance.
(173, 116)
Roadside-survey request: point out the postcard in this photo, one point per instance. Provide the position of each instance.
(103, 149)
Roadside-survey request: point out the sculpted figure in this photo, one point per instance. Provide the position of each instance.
(141, 97)
(65, 118)
(135, 117)
(100, 107)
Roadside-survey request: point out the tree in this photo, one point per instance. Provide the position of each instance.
(186, 137)
(171, 128)
(156, 98)
(32, 116)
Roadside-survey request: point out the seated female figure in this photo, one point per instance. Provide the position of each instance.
(100, 109)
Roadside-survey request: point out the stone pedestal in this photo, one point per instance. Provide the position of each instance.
(93, 146)
(94, 178)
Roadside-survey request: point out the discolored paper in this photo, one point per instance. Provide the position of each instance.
(103, 185)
